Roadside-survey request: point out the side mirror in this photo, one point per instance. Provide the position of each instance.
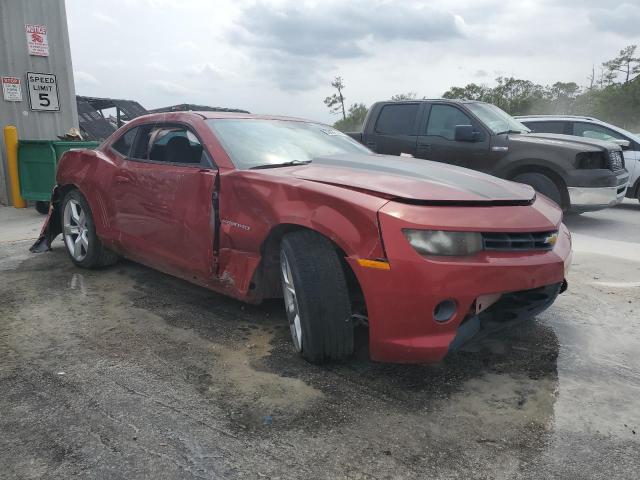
(465, 133)
(623, 143)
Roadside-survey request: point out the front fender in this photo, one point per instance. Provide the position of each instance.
(255, 205)
(252, 204)
(510, 167)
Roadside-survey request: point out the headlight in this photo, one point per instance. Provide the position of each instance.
(590, 160)
(439, 242)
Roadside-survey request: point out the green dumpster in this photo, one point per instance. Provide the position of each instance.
(37, 163)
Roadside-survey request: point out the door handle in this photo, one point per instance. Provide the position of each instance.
(122, 179)
(423, 148)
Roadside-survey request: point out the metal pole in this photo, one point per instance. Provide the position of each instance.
(11, 144)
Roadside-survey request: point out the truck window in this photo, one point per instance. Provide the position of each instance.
(443, 120)
(546, 127)
(397, 119)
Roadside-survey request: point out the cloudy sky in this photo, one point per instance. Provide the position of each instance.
(280, 56)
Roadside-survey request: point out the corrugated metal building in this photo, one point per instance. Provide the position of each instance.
(16, 61)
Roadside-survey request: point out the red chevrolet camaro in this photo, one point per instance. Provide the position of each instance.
(427, 255)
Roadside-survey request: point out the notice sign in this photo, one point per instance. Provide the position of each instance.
(43, 92)
(11, 90)
(37, 40)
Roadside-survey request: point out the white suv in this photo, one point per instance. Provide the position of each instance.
(593, 128)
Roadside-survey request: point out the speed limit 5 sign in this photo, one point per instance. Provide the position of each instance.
(43, 92)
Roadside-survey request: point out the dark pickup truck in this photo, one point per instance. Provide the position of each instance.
(579, 174)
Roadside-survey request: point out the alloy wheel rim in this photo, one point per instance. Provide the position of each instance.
(76, 234)
(291, 302)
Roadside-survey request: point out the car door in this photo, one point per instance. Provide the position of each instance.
(437, 139)
(163, 195)
(395, 131)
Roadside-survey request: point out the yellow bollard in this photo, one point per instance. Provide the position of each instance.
(11, 143)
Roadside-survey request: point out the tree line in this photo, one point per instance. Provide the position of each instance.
(612, 96)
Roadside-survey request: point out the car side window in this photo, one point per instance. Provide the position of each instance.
(590, 130)
(397, 119)
(170, 144)
(546, 127)
(124, 143)
(443, 120)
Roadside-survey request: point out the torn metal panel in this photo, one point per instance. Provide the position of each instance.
(52, 225)
(93, 122)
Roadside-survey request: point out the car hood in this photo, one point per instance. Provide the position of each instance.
(569, 142)
(411, 179)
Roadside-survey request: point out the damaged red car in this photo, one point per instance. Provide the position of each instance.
(427, 255)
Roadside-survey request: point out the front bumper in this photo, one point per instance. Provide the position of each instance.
(512, 309)
(587, 197)
(401, 302)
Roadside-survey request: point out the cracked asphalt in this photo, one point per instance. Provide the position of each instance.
(127, 373)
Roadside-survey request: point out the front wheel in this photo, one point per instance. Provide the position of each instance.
(543, 184)
(79, 233)
(316, 297)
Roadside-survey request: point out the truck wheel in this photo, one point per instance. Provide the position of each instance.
(543, 184)
(42, 207)
(79, 233)
(316, 297)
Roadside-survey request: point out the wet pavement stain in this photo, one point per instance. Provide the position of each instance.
(164, 379)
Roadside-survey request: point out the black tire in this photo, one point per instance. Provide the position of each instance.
(42, 207)
(322, 296)
(543, 184)
(97, 255)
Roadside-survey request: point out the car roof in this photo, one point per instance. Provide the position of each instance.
(542, 118)
(162, 116)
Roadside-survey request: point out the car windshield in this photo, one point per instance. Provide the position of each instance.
(496, 119)
(262, 143)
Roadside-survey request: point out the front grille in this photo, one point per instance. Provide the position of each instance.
(616, 160)
(519, 241)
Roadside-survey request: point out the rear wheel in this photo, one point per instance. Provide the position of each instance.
(543, 184)
(79, 233)
(316, 297)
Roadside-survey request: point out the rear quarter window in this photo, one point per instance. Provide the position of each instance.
(397, 119)
(123, 144)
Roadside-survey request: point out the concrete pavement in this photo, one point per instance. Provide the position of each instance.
(129, 373)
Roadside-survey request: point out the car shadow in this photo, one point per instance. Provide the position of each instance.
(628, 206)
(529, 350)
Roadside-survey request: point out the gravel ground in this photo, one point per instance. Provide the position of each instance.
(127, 373)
